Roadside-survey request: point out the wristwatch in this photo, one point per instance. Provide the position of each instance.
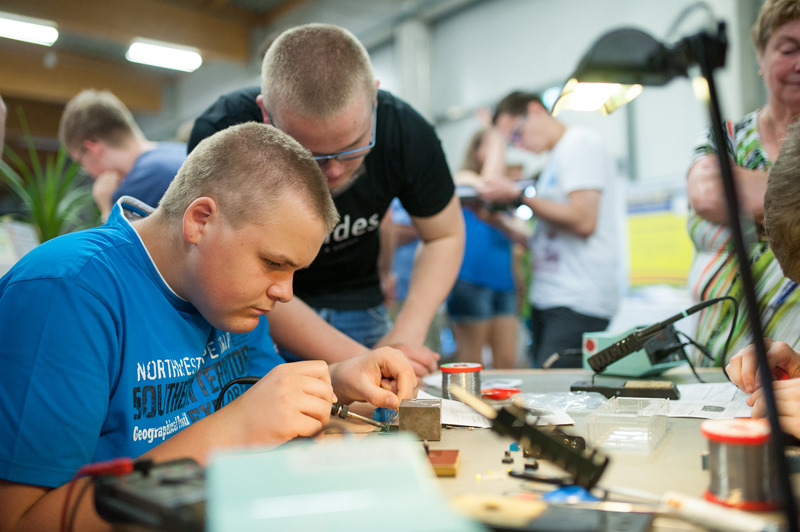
(527, 192)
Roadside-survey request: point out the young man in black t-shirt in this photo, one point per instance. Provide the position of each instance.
(318, 86)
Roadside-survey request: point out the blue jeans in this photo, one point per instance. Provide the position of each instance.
(365, 326)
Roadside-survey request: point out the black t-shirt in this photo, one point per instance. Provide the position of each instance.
(407, 162)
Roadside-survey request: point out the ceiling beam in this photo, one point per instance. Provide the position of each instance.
(23, 74)
(278, 11)
(122, 20)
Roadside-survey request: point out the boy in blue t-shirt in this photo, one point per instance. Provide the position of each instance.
(117, 341)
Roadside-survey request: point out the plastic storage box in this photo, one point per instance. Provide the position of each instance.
(627, 425)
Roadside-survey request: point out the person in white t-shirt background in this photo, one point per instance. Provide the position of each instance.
(575, 246)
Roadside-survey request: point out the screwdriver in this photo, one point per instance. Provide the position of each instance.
(342, 411)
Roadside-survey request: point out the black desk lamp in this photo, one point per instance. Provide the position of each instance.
(610, 75)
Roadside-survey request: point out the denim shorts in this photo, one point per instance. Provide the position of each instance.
(365, 326)
(471, 302)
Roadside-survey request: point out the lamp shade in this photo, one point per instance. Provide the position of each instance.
(614, 69)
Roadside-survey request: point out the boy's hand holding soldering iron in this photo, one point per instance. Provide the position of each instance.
(382, 377)
(299, 395)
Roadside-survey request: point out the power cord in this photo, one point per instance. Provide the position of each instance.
(686, 359)
(74, 512)
(716, 361)
(704, 350)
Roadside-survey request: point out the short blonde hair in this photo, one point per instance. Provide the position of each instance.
(246, 169)
(96, 115)
(772, 15)
(782, 206)
(316, 70)
(472, 160)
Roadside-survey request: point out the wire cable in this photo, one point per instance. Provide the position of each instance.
(117, 466)
(701, 348)
(71, 521)
(232, 382)
(704, 349)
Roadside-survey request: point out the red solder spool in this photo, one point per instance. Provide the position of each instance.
(465, 374)
(742, 472)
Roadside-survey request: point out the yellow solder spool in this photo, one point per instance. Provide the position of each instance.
(742, 470)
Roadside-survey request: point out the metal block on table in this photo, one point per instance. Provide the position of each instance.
(422, 417)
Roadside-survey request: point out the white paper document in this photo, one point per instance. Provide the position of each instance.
(457, 413)
(718, 400)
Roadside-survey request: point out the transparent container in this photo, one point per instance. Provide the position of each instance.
(627, 425)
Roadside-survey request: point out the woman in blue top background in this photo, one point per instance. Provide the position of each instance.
(483, 305)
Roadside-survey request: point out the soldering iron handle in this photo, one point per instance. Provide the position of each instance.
(339, 410)
(705, 513)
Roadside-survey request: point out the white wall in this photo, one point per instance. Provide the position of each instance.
(499, 46)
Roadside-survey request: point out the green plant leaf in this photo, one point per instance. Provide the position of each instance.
(37, 168)
(53, 197)
(15, 182)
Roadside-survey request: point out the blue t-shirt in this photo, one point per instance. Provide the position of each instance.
(152, 173)
(404, 254)
(487, 255)
(101, 359)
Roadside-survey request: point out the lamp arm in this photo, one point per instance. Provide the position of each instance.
(704, 49)
(684, 14)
